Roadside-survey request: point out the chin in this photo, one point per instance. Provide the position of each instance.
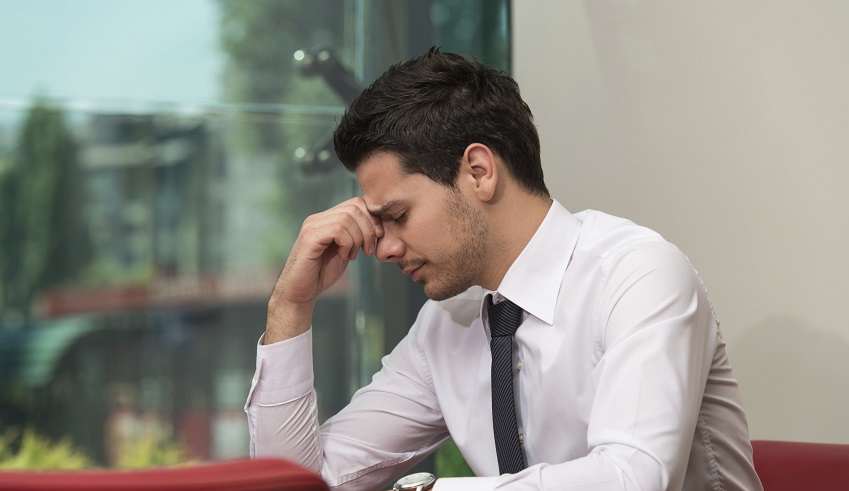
(442, 292)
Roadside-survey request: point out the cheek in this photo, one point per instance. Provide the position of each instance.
(429, 241)
(443, 246)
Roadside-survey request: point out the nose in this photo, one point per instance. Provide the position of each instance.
(390, 248)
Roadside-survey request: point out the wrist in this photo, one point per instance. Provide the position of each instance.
(421, 481)
(287, 320)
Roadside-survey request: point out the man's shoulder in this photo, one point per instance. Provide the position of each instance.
(623, 249)
(605, 236)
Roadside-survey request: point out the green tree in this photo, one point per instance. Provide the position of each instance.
(5, 223)
(42, 238)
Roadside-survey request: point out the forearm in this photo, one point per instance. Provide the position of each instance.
(281, 408)
(288, 430)
(389, 426)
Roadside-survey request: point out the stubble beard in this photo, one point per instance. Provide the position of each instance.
(463, 266)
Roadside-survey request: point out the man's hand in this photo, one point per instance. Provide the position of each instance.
(326, 243)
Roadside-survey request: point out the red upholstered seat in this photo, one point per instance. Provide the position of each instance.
(786, 466)
(782, 466)
(234, 475)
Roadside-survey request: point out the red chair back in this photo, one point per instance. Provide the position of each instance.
(786, 466)
(234, 475)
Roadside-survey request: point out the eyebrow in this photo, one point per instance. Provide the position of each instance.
(381, 210)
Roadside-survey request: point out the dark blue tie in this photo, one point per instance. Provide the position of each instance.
(504, 319)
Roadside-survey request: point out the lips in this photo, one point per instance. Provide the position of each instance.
(411, 270)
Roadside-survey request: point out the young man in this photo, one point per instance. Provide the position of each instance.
(559, 351)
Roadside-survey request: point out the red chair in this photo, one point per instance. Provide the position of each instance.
(794, 466)
(234, 475)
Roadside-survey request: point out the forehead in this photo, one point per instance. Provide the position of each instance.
(382, 179)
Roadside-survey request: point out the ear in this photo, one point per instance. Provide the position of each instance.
(479, 171)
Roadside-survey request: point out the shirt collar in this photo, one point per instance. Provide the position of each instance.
(533, 280)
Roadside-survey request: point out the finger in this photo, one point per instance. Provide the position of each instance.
(330, 229)
(345, 243)
(341, 218)
(366, 225)
(360, 203)
(347, 219)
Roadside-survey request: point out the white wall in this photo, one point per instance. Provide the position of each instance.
(725, 126)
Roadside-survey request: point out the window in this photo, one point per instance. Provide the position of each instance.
(156, 161)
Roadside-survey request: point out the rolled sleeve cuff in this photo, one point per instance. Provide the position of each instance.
(465, 484)
(284, 371)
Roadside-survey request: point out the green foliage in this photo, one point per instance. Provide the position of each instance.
(42, 239)
(450, 462)
(37, 452)
(151, 450)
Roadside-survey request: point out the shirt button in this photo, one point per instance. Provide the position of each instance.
(518, 365)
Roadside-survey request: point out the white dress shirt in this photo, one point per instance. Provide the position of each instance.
(622, 380)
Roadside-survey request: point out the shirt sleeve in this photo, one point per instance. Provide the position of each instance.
(389, 425)
(658, 337)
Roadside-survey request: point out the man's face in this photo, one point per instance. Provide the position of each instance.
(431, 231)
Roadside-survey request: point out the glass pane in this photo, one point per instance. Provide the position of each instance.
(156, 162)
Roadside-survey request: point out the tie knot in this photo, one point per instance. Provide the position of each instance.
(504, 317)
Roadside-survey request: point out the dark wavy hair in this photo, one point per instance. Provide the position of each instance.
(428, 109)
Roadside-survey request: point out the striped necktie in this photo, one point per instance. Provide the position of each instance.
(504, 320)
